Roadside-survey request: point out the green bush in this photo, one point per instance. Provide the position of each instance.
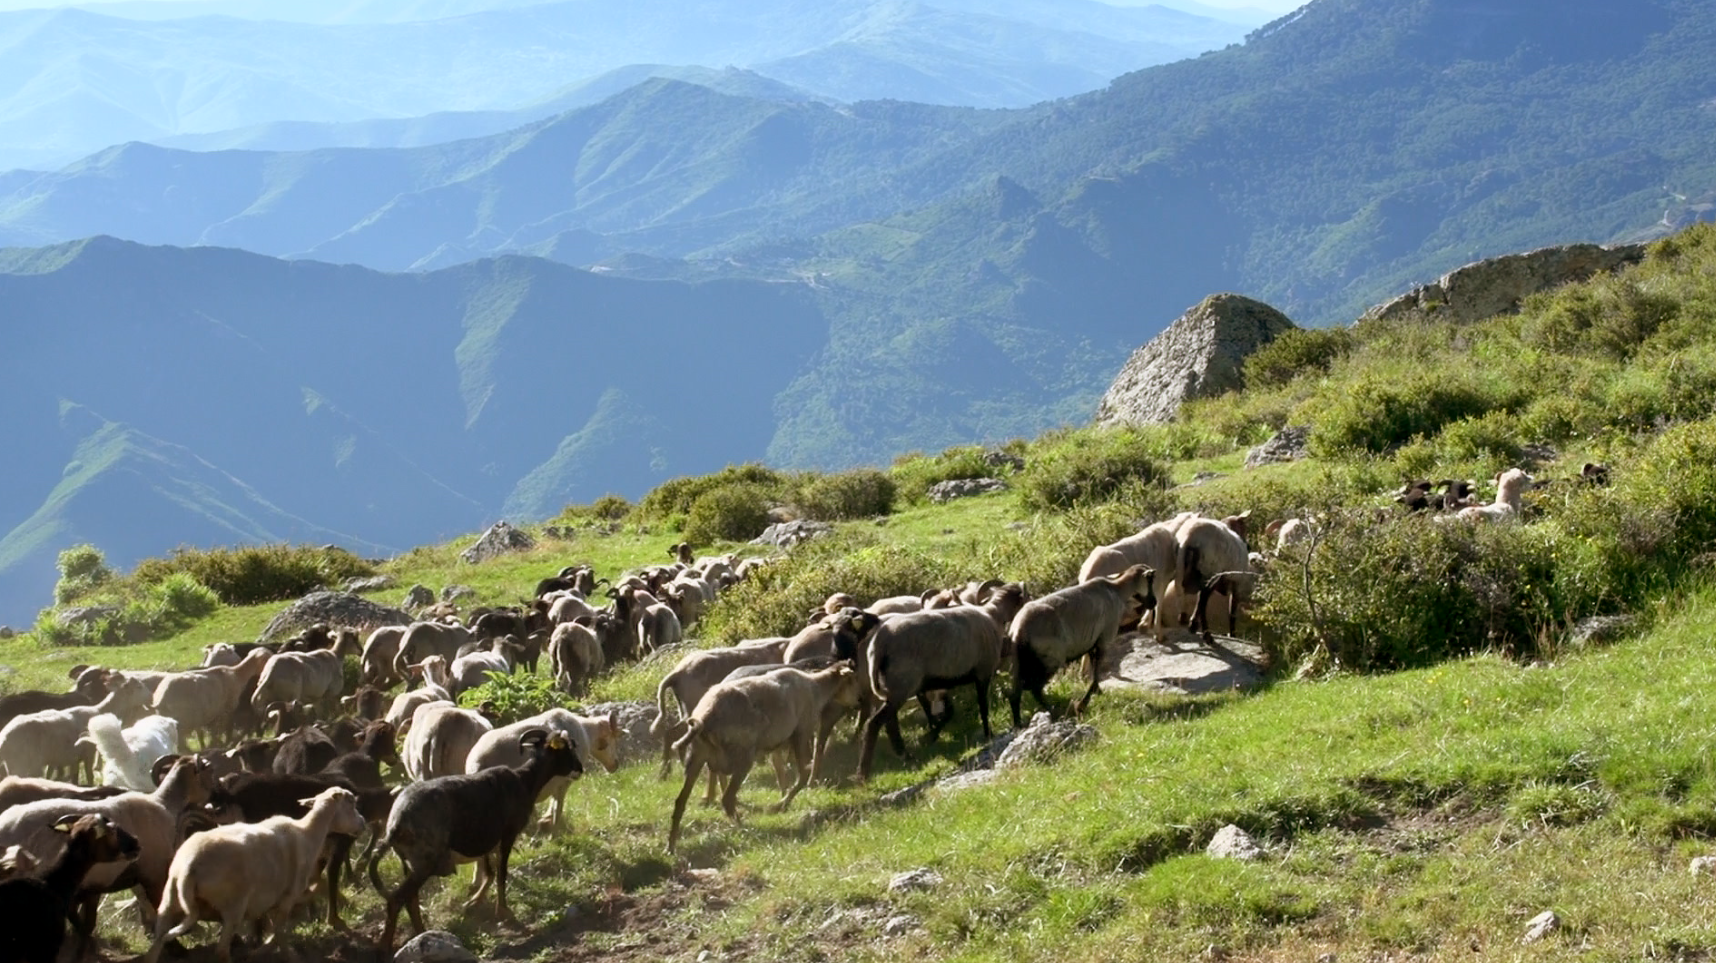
(1086, 467)
(916, 473)
(731, 513)
(860, 493)
(248, 574)
(1382, 411)
(83, 570)
(1297, 352)
(676, 496)
(517, 696)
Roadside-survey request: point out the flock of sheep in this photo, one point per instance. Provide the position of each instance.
(102, 793)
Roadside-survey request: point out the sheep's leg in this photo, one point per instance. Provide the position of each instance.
(1094, 656)
(778, 760)
(982, 687)
(228, 930)
(480, 881)
(713, 793)
(504, 858)
(730, 798)
(802, 744)
(342, 850)
(935, 722)
(693, 769)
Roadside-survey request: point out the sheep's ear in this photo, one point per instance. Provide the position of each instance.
(307, 803)
(64, 823)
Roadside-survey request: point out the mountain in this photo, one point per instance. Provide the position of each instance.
(72, 82)
(220, 395)
(672, 167)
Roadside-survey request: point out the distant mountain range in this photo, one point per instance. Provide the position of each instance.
(868, 278)
(72, 81)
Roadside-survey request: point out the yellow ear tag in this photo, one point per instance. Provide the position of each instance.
(557, 741)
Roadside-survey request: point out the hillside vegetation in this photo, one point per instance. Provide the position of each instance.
(1436, 760)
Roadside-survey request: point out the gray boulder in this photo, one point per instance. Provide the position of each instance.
(84, 615)
(1497, 286)
(374, 583)
(452, 593)
(1288, 444)
(634, 718)
(338, 609)
(500, 539)
(1599, 629)
(434, 946)
(788, 534)
(964, 487)
(418, 596)
(1200, 355)
(1231, 842)
(1043, 740)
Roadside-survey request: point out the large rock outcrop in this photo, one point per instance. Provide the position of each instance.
(1483, 289)
(336, 609)
(1200, 355)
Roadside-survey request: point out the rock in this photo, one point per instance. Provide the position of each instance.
(374, 583)
(7, 632)
(1535, 454)
(1183, 665)
(913, 880)
(1497, 286)
(965, 780)
(337, 609)
(418, 596)
(453, 593)
(1540, 926)
(1043, 740)
(636, 744)
(500, 539)
(84, 615)
(900, 925)
(1703, 865)
(996, 458)
(1231, 842)
(788, 534)
(1200, 355)
(1602, 628)
(964, 487)
(1288, 444)
(434, 946)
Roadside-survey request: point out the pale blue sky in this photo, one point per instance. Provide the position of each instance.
(1272, 6)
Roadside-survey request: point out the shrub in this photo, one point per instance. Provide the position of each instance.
(1297, 352)
(676, 496)
(248, 574)
(1382, 411)
(731, 513)
(83, 569)
(1086, 467)
(517, 696)
(860, 493)
(915, 474)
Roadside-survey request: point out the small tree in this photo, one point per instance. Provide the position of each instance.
(82, 571)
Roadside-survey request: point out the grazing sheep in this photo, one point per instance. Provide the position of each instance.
(127, 754)
(473, 668)
(90, 686)
(376, 661)
(575, 655)
(153, 818)
(433, 670)
(250, 872)
(695, 674)
(736, 721)
(309, 678)
(1067, 625)
(424, 639)
(362, 766)
(658, 627)
(461, 818)
(566, 608)
(203, 700)
(1156, 546)
(900, 604)
(1509, 486)
(36, 909)
(1209, 548)
(594, 737)
(367, 703)
(48, 741)
(305, 749)
(913, 654)
(440, 740)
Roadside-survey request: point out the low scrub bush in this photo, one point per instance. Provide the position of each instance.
(730, 513)
(134, 613)
(83, 570)
(248, 574)
(1383, 411)
(860, 493)
(1086, 467)
(1298, 352)
(917, 473)
(516, 696)
(676, 496)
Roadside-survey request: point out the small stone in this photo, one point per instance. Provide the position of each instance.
(434, 946)
(963, 488)
(1327, 958)
(705, 957)
(454, 592)
(965, 780)
(1540, 926)
(1703, 865)
(1602, 628)
(914, 879)
(1043, 740)
(1231, 842)
(1288, 444)
(786, 534)
(899, 925)
(418, 596)
(374, 583)
(705, 876)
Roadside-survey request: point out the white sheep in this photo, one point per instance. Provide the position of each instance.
(1156, 545)
(1510, 485)
(49, 740)
(1208, 548)
(308, 678)
(376, 660)
(574, 655)
(250, 872)
(440, 740)
(203, 700)
(437, 687)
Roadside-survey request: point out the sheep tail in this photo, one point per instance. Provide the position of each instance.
(375, 872)
(879, 675)
(1191, 580)
(691, 726)
(660, 724)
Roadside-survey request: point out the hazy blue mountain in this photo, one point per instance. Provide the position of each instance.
(264, 398)
(73, 81)
(674, 167)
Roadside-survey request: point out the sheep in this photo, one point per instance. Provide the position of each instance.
(204, 699)
(1509, 486)
(900, 604)
(21, 790)
(16, 862)
(362, 767)
(841, 636)
(306, 677)
(435, 683)
(1155, 546)
(614, 633)
(48, 740)
(681, 552)
(574, 655)
(250, 871)
(1074, 622)
(473, 668)
(1208, 548)
(127, 754)
(912, 654)
(36, 909)
(465, 817)
(737, 720)
(376, 661)
(367, 703)
(152, 818)
(687, 598)
(304, 750)
(594, 737)
(89, 687)
(423, 639)
(440, 740)
(566, 608)
(658, 627)
(692, 677)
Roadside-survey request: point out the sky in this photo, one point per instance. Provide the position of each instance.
(1269, 6)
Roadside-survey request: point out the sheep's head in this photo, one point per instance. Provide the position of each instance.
(101, 839)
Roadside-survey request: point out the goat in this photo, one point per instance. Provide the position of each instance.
(1064, 626)
(460, 818)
